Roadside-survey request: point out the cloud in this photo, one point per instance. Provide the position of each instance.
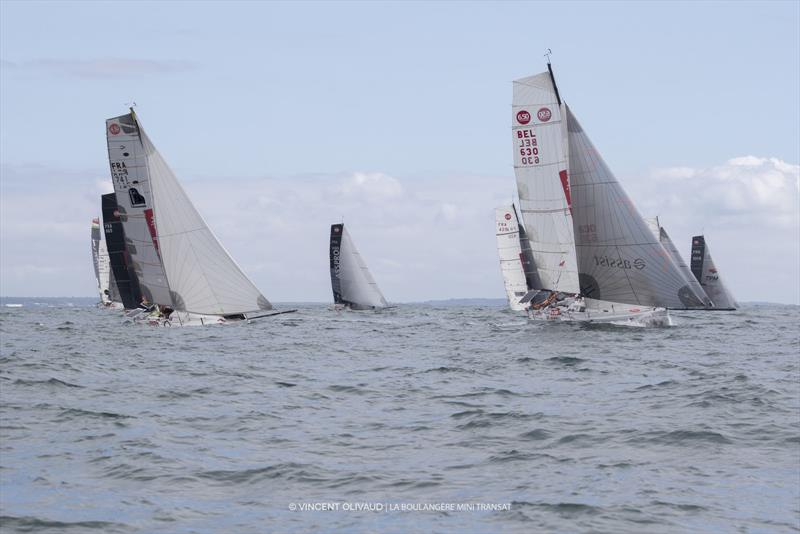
(749, 210)
(748, 186)
(423, 238)
(104, 68)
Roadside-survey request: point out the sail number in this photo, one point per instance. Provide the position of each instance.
(119, 172)
(528, 147)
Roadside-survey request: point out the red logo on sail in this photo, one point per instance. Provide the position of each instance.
(114, 128)
(713, 271)
(508, 216)
(151, 225)
(565, 186)
(523, 117)
(544, 114)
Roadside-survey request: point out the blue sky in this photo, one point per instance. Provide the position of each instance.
(281, 118)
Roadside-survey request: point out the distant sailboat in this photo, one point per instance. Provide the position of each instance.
(587, 238)
(180, 265)
(352, 284)
(516, 261)
(707, 274)
(672, 250)
(101, 264)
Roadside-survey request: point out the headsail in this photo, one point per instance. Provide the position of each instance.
(672, 250)
(122, 269)
(540, 165)
(619, 258)
(202, 277)
(706, 273)
(131, 177)
(510, 251)
(351, 281)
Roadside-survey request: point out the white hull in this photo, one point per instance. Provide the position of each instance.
(619, 314)
(183, 319)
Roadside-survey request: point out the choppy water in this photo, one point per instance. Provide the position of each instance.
(114, 428)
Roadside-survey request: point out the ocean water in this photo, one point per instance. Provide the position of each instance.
(424, 418)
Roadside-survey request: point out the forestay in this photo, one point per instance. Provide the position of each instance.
(706, 272)
(540, 165)
(351, 281)
(203, 278)
(510, 251)
(619, 258)
(131, 177)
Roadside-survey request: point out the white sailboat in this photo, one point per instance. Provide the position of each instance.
(707, 274)
(517, 266)
(352, 283)
(510, 252)
(101, 264)
(591, 246)
(182, 268)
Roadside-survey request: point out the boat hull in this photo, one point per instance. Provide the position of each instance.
(619, 315)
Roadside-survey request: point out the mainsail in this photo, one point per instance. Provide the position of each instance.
(509, 249)
(706, 273)
(122, 270)
(191, 271)
(619, 258)
(541, 168)
(130, 174)
(351, 281)
(100, 260)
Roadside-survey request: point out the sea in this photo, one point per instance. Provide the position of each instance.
(431, 417)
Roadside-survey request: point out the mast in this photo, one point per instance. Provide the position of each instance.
(552, 77)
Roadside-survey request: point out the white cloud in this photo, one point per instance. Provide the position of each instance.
(748, 208)
(423, 238)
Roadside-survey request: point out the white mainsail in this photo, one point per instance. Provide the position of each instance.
(706, 273)
(619, 258)
(351, 281)
(130, 175)
(100, 261)
(510, 251)
(541, 169)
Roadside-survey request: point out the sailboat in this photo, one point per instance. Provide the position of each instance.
(707, 274)
(592, 248)
(517, 267)
(352, 284)
(184, 273)
(101, 265)
(123, 276)
(662, 235)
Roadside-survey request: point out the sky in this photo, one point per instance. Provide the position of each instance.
(282, 118)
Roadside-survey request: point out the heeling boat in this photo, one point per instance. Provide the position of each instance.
(352, 284)
(706, 273)
(517, 266)
(181, 266)
(591, 246)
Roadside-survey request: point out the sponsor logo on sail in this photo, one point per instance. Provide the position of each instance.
(544, 114)
(508, 216)
(619, 263)
(523, 117)
(114, 128)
